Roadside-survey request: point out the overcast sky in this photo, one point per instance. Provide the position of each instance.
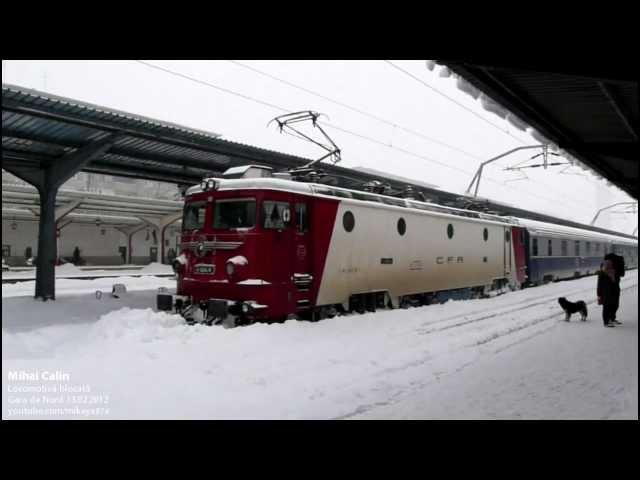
(374, 87)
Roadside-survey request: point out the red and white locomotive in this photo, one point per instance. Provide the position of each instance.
(263, 247)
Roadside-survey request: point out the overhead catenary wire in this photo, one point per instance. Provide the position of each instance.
(357, 110)
(282, 109)
(476, 114)
(469, 110)
(383, 120)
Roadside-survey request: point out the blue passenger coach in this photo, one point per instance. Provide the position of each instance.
(555, 252)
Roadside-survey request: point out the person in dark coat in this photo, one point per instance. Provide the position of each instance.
(608, 291)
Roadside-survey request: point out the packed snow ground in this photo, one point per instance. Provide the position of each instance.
(71, 271)
(67, 286)
(511, 356)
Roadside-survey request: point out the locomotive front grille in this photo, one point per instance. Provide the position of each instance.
(210, 245)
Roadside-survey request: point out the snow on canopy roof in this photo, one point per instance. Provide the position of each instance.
(552, 230)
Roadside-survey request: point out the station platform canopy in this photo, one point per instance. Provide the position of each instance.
(38, 128)
(589, 111)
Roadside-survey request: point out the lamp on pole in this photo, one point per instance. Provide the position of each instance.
(608, 207)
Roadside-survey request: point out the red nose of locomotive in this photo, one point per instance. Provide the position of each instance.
(218, 269)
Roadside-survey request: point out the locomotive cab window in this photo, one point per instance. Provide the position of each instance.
(234, 213)
(302, 218)
(276, 215)
(193, 216)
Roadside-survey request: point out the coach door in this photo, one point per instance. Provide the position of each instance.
(302, 254)
(277, 223)
(506, 252)
(520, 263)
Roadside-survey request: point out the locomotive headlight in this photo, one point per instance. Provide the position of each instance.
(231, 268)
(208, 184)
(179, 263)
(176, 265)
(245, 308)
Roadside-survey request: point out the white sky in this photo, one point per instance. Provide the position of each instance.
(371, 86)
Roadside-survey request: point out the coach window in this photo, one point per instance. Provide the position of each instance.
(597, 247)
(193, 216)
(577, 248)
(549, 248)
(450, 231)
(234, 213)
(563, 248)
(348, 221)
(402, 226)
(588, 249)
(275, 214)
(302, 218)
(507, 236)
(534, 247)
(485, 234)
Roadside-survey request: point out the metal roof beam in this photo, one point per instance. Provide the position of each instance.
(62, 169)
(160, 175)
(619, 109)
(65, 210)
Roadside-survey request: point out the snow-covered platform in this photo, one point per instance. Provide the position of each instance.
(69, 271)
(509, 357)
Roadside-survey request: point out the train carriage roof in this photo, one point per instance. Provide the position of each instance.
(559, 231)
(377, 199)
(533, 226)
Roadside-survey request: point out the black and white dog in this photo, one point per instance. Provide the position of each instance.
(573, 307)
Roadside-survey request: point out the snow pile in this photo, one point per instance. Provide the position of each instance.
(72, 286)
(238, 260)
(67, 269)
(135, 326)
(156, 267)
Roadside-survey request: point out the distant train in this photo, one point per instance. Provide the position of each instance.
(263, 247)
